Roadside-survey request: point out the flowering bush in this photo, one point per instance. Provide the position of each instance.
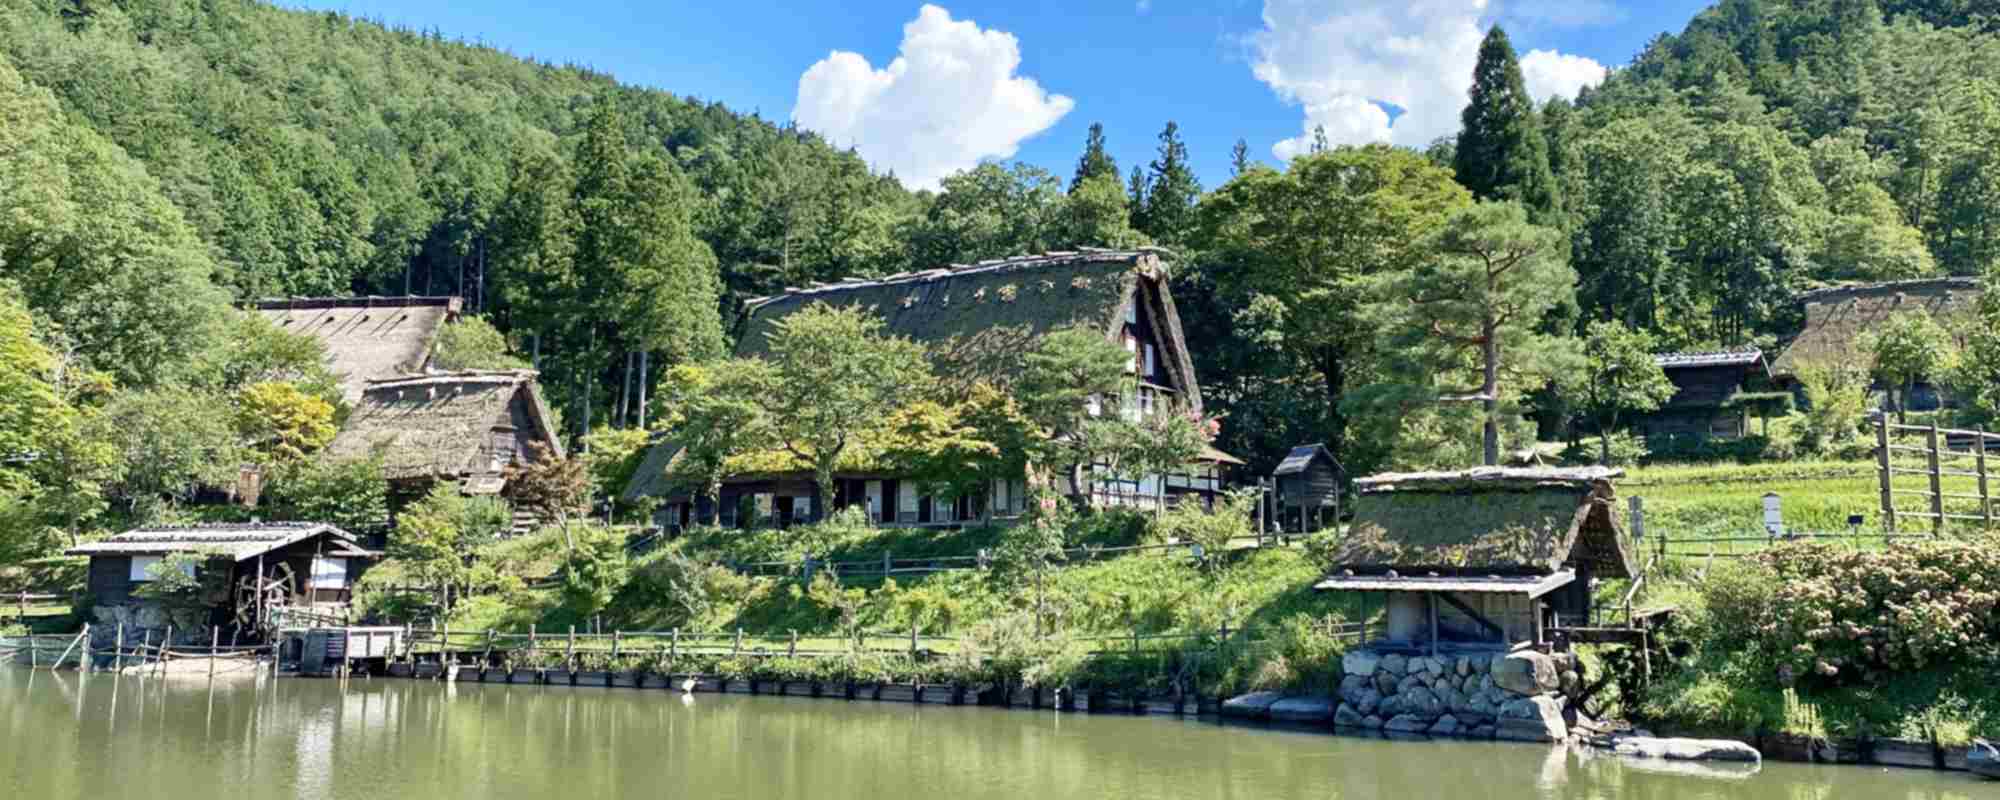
(1837, 615)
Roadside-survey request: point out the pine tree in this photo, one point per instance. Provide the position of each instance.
(1239, 158)
(1502, 154)
(1135, 193)
(1167, 213)
(1095, 161)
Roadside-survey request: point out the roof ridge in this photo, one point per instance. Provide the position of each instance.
(1023, 261)
(1886, 286)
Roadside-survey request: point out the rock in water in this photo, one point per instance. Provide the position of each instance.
(1533, 719)
(1983, 759)
(1347, 717)
(1525, 672)
(1687, 749)
(1447, 725)
(1255, 705)
(1407, 723)
(1303, 709)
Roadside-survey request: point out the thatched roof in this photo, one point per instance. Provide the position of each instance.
(978, 319)
(238, 541)
(1836, 318)
(366, 338)
(442, 425)
(1488, 520)
(651, 479)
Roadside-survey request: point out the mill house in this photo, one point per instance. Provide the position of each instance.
(975, 320)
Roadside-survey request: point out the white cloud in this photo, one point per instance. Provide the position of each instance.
(949, 99)
(1549, 73)
(1342, 64)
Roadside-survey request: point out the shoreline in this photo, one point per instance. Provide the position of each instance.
(1857, 751)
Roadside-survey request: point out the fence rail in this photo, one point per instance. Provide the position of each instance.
(1943, 454)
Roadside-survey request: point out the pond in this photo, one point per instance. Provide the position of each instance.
(65, 735)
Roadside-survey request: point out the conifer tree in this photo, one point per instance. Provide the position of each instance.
(1095, 161)
(1167, 212)
(1502, 154)
(1239, 158)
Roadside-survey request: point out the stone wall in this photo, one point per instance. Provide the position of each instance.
(1517, 695)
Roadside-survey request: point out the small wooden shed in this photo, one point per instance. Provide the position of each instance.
(1485, 558)
(1308, 483)
(1709, 388)
(299, 563)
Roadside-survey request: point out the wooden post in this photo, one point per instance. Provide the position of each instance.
(214, 639)
(1937, 482)
(166, 648)
(736, 648)
(1434, 623)
(1883, 471)
(617, 638)
(674, 648)
(488, 657)
(885, 563)
(120, 645)
(89, 652)
(913, 640)
(569, 650)
(1985, 496)
(21, 608)
(793, 648)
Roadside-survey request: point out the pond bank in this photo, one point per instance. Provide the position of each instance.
(1883, 752)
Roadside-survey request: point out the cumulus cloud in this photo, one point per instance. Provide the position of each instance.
(1347, 65)
(949, 99)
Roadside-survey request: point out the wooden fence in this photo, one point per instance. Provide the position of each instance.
(1940, 467)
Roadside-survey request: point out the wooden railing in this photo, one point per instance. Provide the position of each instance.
(1943, 454)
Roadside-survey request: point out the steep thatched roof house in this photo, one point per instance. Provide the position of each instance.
(1837, 318)
(1481, 557)
(1707, 391)
(302, 564)
(463, 427)
(366, 338)
(976, 320)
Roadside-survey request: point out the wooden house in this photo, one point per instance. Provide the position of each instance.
(1839, 318)
(302, 564)
(975, 321)
(1486, 558)
(464, 428)
(366, 338)
(1308, 484)
(1708, 388)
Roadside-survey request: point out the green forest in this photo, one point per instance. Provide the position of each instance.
(162, 160)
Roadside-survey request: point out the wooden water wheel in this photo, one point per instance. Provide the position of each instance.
(278, 586)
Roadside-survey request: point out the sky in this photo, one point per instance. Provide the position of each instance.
(927, 89)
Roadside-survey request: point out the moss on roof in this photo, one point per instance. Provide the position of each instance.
(1503, 523)
(1837, 318)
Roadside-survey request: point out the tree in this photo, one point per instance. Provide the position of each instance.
(1501, 153)
(430, 540)
(29, 399)
(1289, 258)
(1975, 380)
(990, 211)
(1239, 158)
(1475, 307)
(1167, 212)
(277, 422)
(548, 487)
(171, 440)
(959, 447)
(1095, 162)
(1621, 375)
(350, 493)
(1908, 348)
(1065, 381)
(1095, 215)
(715, 415)
(835, 375)
(473, 343)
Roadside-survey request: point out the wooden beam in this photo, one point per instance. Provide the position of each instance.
(1476, 616)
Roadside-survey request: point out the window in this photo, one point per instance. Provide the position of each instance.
(906, 501)
(802, 508)
(142, 564)
(1132, 310)
(874, 501)
(1132, 346)
(1149, 359)
(329, 573)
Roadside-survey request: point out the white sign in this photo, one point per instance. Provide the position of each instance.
(1774, 516)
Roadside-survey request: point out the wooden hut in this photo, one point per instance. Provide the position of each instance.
(465, 428)
(366, 338)
(1307, 484)
(302, 564)
(1485, 558)
(975, 321)
(1839, 318)
(1708, 391)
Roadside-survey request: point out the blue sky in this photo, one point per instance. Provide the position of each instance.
(980, 79)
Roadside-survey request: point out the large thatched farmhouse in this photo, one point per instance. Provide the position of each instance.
(976, 320)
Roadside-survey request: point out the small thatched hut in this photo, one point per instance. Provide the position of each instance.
(462, 427)
(1482, 558)
(975, 321)
(366, 338)
(302, 564)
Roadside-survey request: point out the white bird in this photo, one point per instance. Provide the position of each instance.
(687, 686)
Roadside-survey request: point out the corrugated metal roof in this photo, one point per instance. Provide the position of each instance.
(239, 541)
(1714, 358)
(1531, 585)
(1299, 458)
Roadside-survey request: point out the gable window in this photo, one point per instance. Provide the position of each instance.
(329, 573)
(1149, 368)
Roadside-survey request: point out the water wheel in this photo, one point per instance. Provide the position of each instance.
(278, 586)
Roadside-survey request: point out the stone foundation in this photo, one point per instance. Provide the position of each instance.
(1514, 696)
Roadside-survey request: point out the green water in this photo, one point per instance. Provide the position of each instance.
(64, 735)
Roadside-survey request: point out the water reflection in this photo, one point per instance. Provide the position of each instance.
(71, 735)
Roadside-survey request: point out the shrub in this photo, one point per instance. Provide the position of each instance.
(1626, 450)
(1836, 404)
(1839, 615)
(352, 494)
(668, 589)
(1211, 530)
